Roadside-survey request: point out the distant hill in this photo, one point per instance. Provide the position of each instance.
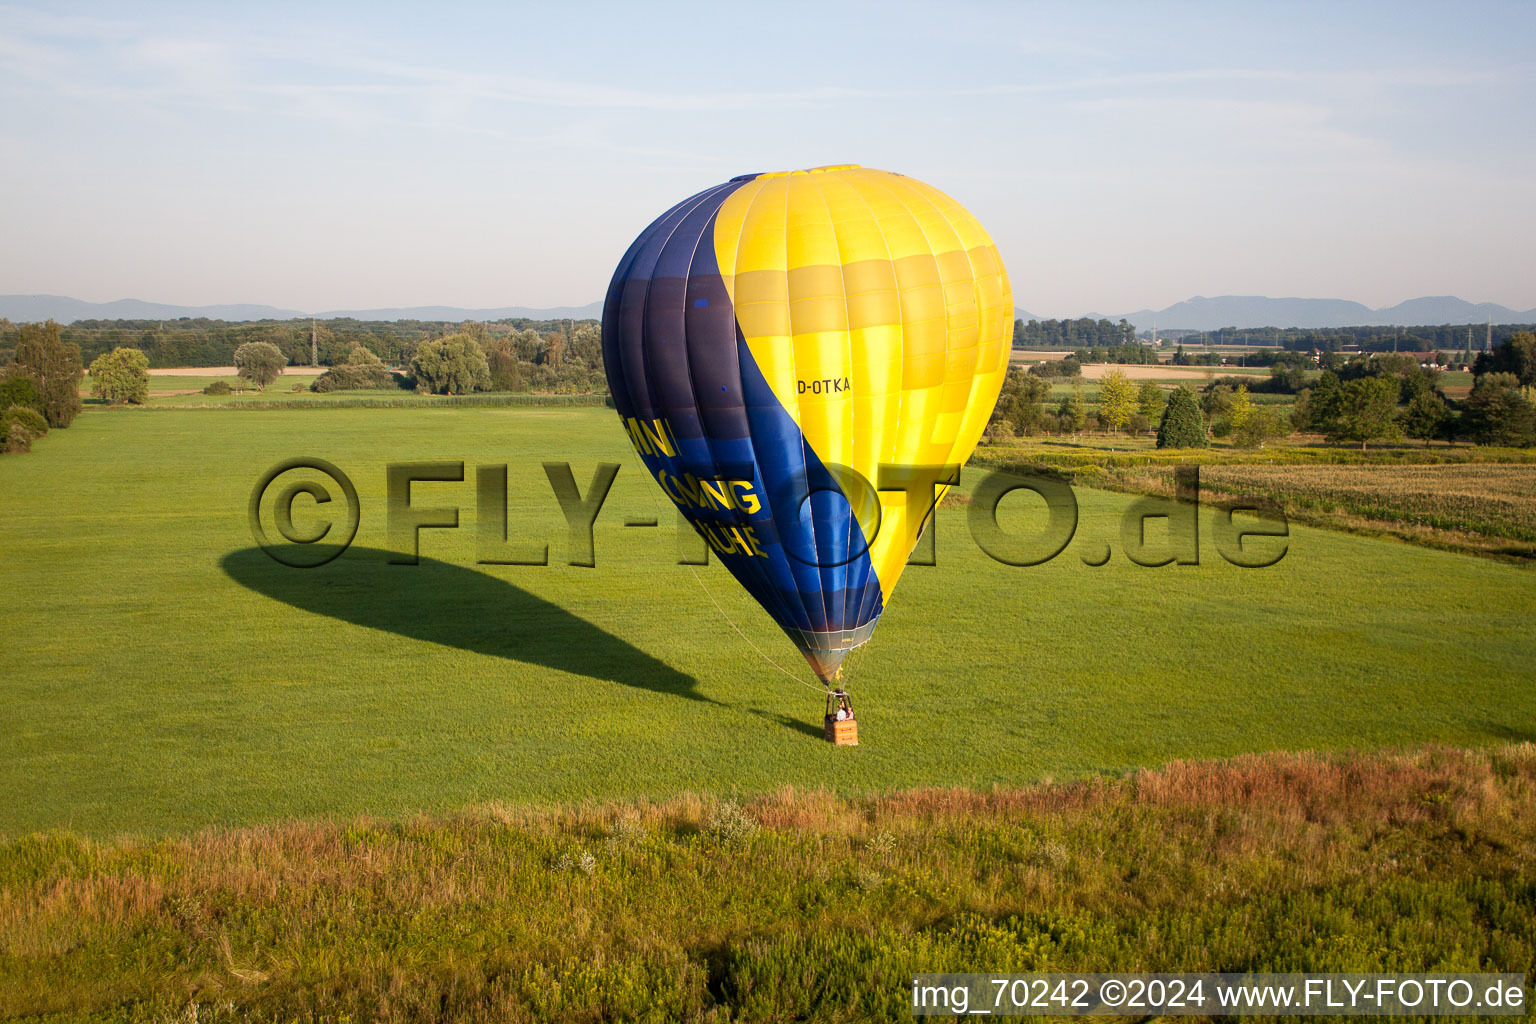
(21, 308)
(591, 311)
(1197, 314)
(65, 310)
(1209, 314)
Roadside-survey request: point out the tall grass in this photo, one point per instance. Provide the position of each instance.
(799, 905)
(1473, 500)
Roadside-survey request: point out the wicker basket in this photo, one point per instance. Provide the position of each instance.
(844, 733)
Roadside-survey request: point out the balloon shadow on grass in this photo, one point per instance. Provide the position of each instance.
(792, 724)
(457, 607)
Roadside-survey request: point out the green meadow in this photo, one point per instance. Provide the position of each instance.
(162, 673)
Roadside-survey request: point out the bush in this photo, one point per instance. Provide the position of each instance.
(218, 387)
(1068, 367)
(355, 377)
(20, 391)
(27, 417)
(17, 438)
(729, 824)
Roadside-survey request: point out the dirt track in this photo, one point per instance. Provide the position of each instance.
(1133, 371)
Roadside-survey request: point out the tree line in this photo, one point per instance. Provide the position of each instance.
(1080, 333)
(1451, 339)
(1360, 400)
(199, 341)
(567, 360)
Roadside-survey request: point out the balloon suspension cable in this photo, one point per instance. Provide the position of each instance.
(748, 639)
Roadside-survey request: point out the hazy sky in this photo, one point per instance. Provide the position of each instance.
(1122, 156)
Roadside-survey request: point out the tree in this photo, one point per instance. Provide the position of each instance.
(260, 362)
(1318, 405)
(1287, 378)
(1150, 400)
(121, 375)
(1240, 409)
(1071, 417)
(1182, 425)
(1018, 405)
(1366, 410)
(1497, 413)
(454, 365)
(1216, 400)
(1514, 355)
(1260, 425)
(361, 355)
(506, 370)
(1117, 400)
(53, 366)
(1425, 416)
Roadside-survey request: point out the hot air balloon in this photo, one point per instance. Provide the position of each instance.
(801, 359)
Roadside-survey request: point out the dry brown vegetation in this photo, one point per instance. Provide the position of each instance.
(800, 905)
(1482, 508)
(1473, 500)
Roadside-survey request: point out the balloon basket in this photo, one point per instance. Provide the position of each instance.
(843, 734)
(840, 732)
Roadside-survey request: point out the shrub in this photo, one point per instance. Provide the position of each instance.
(17, 438)
(354, 376)
(218, 387)
(728, 823)
(27, 417)
(20, 391)
(1068, 367)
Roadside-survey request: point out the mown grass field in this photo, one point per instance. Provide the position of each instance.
(162, 675)
(798, 906)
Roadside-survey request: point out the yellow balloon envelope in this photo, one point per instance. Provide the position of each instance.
(801, 359)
